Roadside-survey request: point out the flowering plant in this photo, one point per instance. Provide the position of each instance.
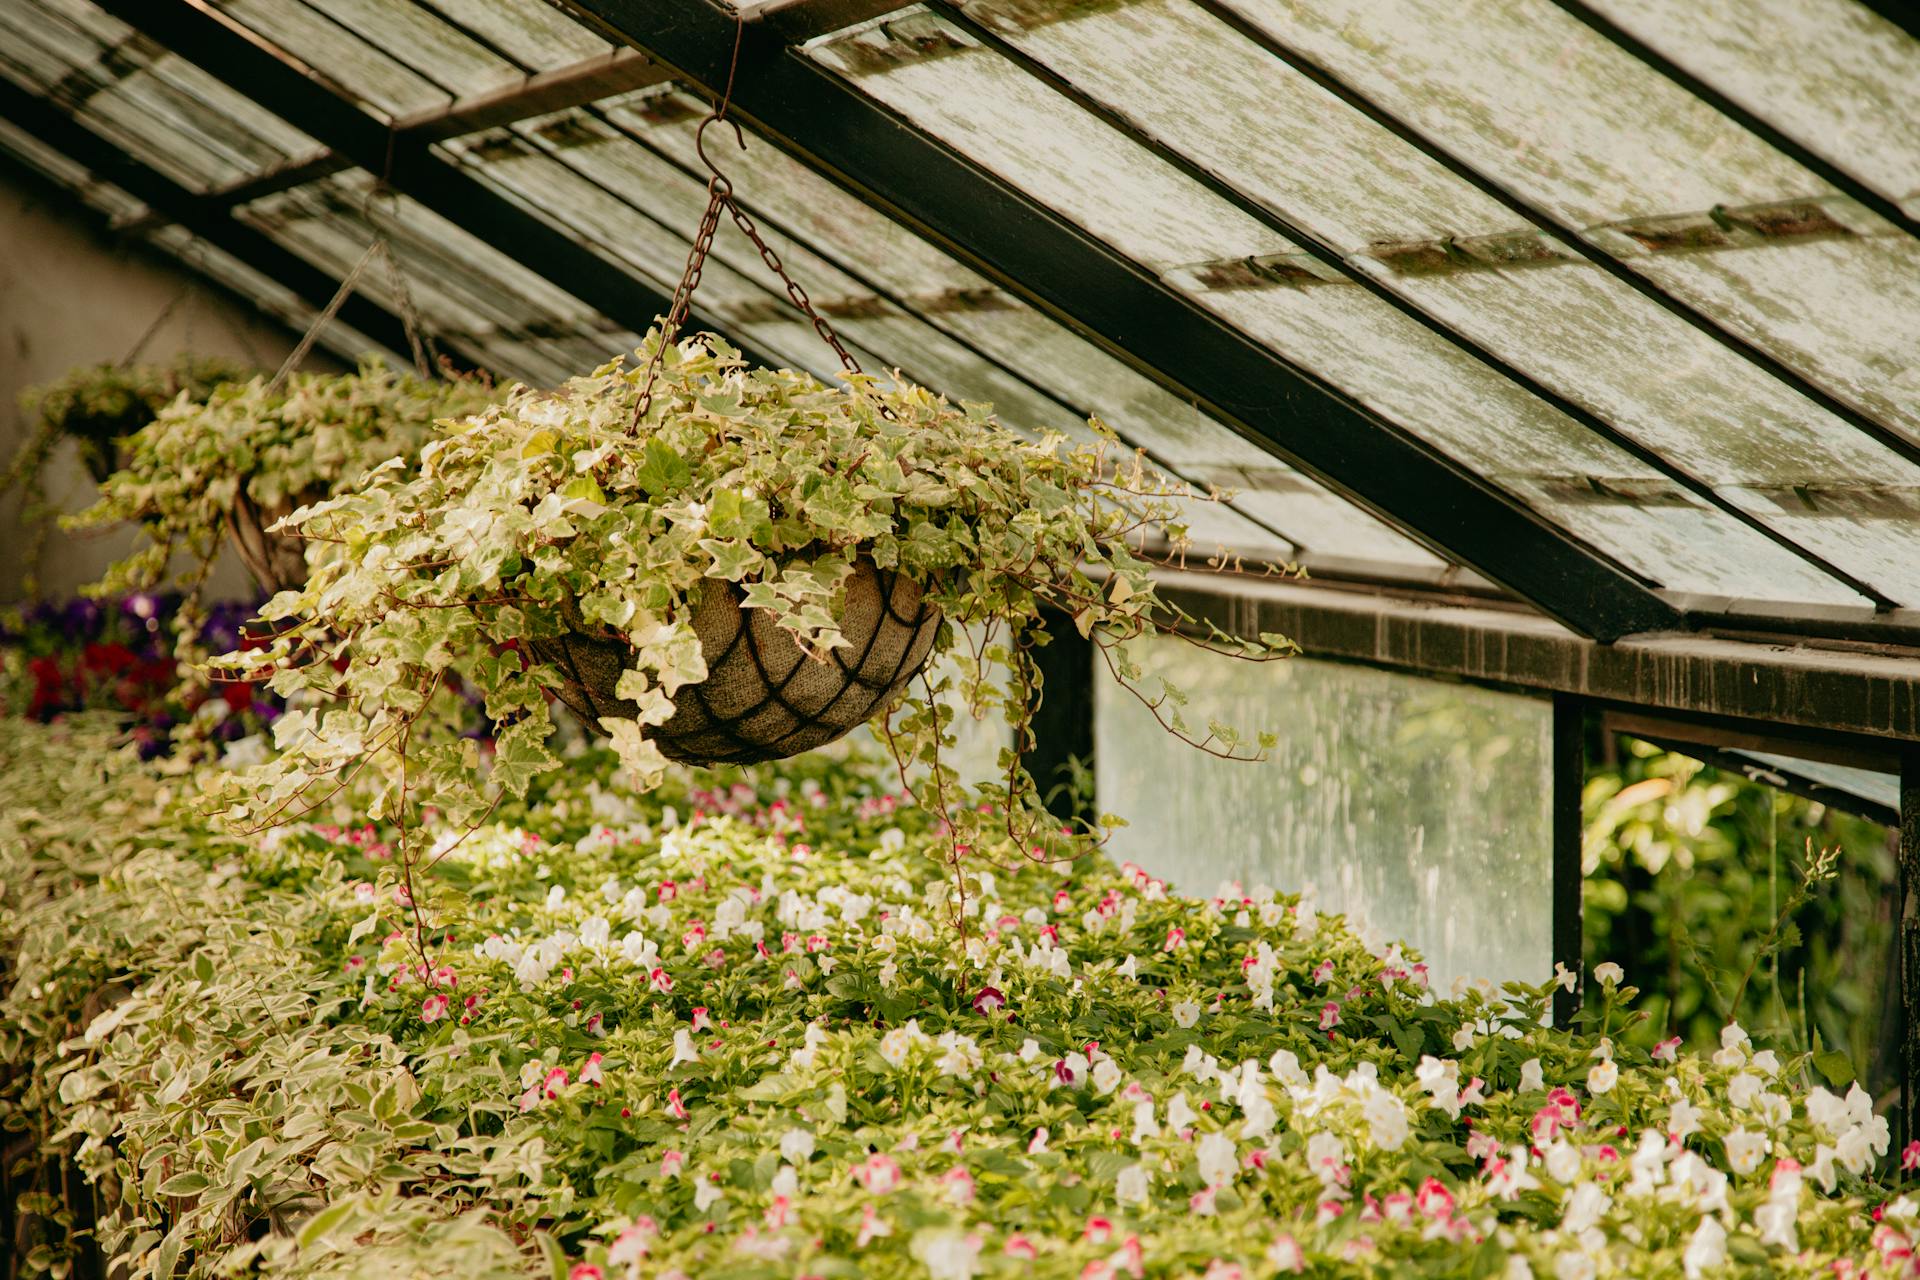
(607, 509)
(261, 447)
(715, 1031)
(120, 656)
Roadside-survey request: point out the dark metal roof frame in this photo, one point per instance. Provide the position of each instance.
(1336, 261)
(406, 163)
(108, 161)
(1032, 252)
(1566, 234)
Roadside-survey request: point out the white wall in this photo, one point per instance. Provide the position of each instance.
(69, 295)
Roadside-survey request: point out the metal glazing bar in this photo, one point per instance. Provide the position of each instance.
(1567, 234)
(79, 143)
(1909, 975)
(1330, 256)
(1038, 256)
(1569, 882)
(252, 67)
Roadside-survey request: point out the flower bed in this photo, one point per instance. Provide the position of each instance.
(721, 1034)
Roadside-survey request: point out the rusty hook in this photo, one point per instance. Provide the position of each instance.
(700, 143)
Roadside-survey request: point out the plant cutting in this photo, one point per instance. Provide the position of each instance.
(227, 468)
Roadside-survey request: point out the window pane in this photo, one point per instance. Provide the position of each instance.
(1422, 804)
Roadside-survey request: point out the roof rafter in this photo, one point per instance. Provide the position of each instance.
(107, 161)
(251, 66)
(1038, 256)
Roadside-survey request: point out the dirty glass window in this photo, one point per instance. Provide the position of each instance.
(1424, 803)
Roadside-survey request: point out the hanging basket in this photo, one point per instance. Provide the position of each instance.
(276, 561)
(763, 698)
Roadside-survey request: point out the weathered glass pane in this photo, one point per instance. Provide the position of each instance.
(537, 34)
(365, 71)
(1837, 78)
(1420, 806)
(434, 49)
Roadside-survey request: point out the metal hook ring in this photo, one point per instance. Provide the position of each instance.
(700, 141)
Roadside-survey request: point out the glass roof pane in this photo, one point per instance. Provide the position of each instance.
(538, 35)
(1545, 106)
(1396, 215)
(1843, 85)
(784, 194)
(434, 49)
(1001, 118)
(361, 69)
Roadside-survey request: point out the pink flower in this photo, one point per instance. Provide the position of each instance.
(700, 1019)
(1286, 1255)
(1219, 1270)
(1329, 1016)
(959, 1186)
(1175, 936)
(668, 891)
(671, 1163)
(591, 1074)
(1435, 1200)
(676, 1108)
(1667, 1050)
(779, 1213)
(878, 1173)
(660, 980)
(1099, 1230)
(556, 1081)
(433, 1008)
(1910, 1158)
(989, 999)
(871, 1225)
(631, 1245)
(585, 1271)
(444, 977)
(1018, 1246)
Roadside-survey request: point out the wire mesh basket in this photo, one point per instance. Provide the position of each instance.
(764, 698)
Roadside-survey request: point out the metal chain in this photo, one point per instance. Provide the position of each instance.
(719, 197)
(417, 336)
(794, 291)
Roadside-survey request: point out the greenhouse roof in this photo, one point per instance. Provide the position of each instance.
(1606, 306)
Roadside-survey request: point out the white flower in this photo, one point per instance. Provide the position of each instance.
(947, 1254)
(1563, 1162)
(1742, 1089)
(1186, 1013)
(1531, 1078)
(1585, 1207)
(1707, 1251)
(1683, 1118)
(1144, 1125)
(899, 1042)
(1219, 1159)
(1179, 1114)
(1744, 1150)
(1132, 1186)
(1603, 1077)
(796, 1145)
(704, 1194)
(1573, 1265)
(683, 1050)
(1388, 1120)
(1608, 974)
(1106, 1076)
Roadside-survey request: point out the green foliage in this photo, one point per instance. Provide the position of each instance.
(722, 1032)
(559, 511)
(278, 445)
(97, 407)
(1689, 868)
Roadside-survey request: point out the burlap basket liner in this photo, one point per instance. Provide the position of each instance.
(763, 698)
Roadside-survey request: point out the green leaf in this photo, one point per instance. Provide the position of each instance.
(184, 1184)
(662, 471)
(1836, 1067)
(520, 755)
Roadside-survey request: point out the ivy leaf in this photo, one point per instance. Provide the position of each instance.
(520, 755)
(662, 471)
(1835, 1066)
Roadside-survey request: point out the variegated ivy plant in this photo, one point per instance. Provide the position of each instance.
(275, 443)
(560, 501)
